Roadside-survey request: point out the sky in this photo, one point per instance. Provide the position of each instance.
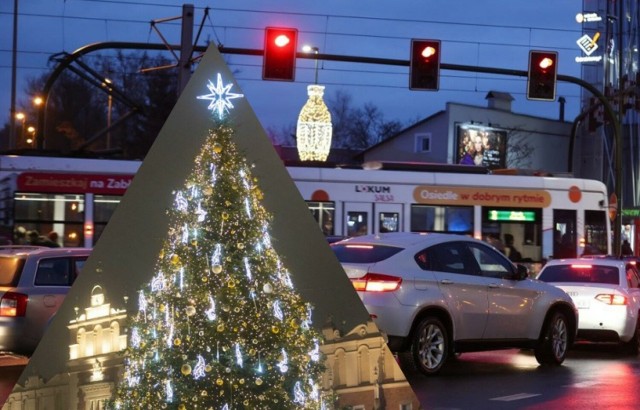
(488, 33)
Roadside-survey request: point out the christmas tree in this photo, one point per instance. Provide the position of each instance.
(220, 324)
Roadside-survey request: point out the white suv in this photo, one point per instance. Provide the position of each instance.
(441, 294)
(33, 284)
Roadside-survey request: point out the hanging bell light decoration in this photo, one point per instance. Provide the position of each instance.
(314, 129)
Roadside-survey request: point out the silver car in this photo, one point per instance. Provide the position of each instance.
(33, 283)
(437, 295)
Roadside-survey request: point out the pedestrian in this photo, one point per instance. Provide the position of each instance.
(53, 237)
(626, 248)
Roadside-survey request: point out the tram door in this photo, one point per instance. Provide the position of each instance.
(388, 218)
(564, 233)
(358, 218)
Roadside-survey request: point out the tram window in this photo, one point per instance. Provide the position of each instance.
(49, 207)
(514, 229)
(103, 208)
(453, 219)
(389, 221)
(324, 212)
(595, 231)
(357, 223)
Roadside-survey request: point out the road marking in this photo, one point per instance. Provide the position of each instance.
(514, 397)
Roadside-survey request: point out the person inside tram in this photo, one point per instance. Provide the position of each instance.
(36, 239)
(512, 253)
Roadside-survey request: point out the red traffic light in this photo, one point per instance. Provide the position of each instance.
(542, 75)
(279, 54)
(282, 40)
(424, 69)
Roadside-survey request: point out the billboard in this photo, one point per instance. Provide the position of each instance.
(482, 146)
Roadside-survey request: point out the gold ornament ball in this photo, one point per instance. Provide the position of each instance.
(219, 382)
(203, 393)
(246, 402)
(240, 245)
(194, 242)
(241, 381)
(208, 368)
(175, 259)
(177, 342)
(185, 369)
(225, 216)
(205, 279)
(216, 269)
(231, 283)
(220, 328)
(259, 381)
(275, 329)
(208, 191)
(267, 288)
(217, 148)
(182, 407)
(162, 308)
(190, 310)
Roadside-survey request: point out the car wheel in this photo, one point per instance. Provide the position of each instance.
(430, 346)
(554, 344)
(632, 347)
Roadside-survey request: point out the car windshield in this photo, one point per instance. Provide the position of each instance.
(9, 270)
(363, 253)
(583, 273)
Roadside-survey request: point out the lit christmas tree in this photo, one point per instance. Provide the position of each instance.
(220, 325)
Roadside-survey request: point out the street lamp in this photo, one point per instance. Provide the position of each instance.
(32, 135)
(20, 116)
(314, 129)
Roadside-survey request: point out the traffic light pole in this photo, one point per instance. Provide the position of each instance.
(609, 112)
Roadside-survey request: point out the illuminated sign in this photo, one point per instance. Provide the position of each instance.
(510, 215)
(586, 43)
(483, 196)
(484, 146)
(588, 18)
(71, 183)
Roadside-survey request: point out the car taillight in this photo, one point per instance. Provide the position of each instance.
(13, 304)
(612, 299)
(376, 282)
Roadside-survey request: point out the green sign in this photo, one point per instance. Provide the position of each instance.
(507, 215)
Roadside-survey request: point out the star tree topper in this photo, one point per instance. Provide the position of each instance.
(220, 97)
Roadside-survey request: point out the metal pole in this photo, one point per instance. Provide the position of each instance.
(186, 39)
(14, 60)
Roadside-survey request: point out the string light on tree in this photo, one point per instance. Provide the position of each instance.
(219, 324)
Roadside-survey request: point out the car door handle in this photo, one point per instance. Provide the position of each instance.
(446, 282)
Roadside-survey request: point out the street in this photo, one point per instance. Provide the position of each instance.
(11, 368)
(593, 376)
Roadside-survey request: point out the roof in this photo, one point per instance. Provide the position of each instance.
(499, 95)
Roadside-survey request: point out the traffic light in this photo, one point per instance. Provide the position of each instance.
(424, 71)
(541, 81)
(280, 45)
